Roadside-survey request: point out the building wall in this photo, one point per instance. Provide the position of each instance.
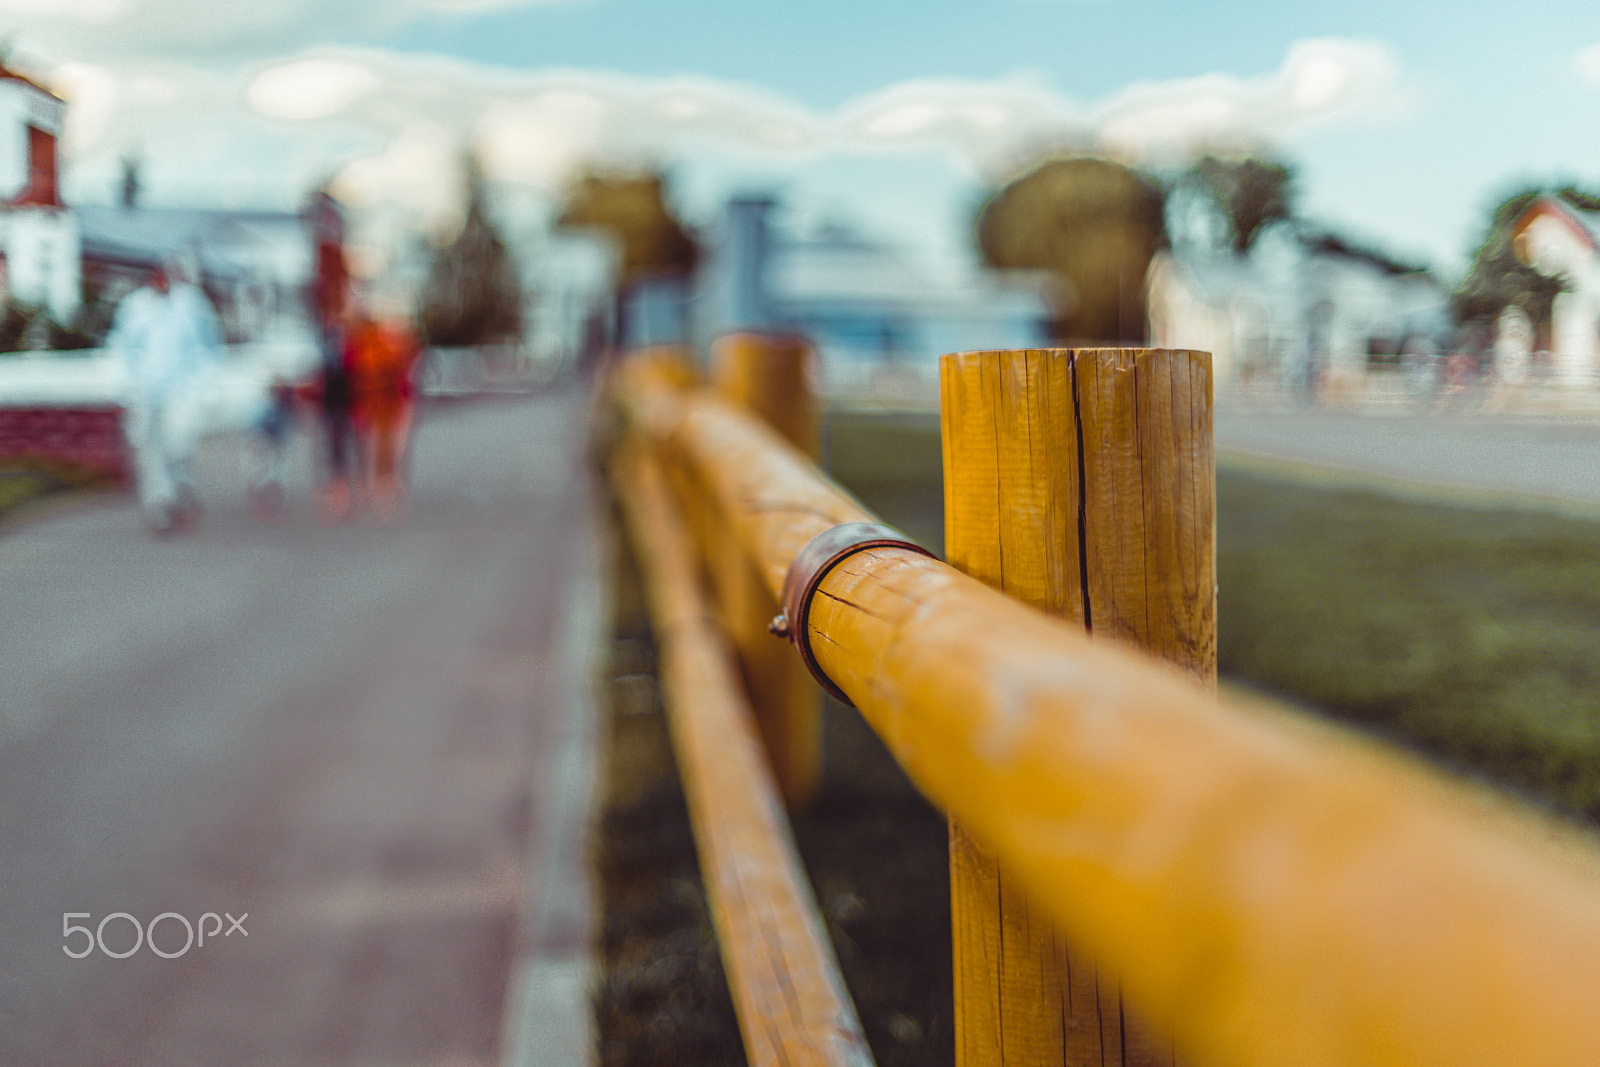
(1278, 322)
(30, 123)
(84, 436)
(44, 259)
(13, 141)
(1556, 246)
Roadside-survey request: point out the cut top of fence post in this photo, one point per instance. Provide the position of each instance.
(771, 374)
(1082, 482)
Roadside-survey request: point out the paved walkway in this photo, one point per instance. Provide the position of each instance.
(1544, 460)
(372, 741)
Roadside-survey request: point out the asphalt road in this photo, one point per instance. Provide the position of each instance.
(1541, 460)
(361, 737)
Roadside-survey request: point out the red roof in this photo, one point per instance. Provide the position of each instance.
(1575, 221)
(7, 74)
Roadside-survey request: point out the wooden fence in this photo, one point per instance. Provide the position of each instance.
(1264, 890)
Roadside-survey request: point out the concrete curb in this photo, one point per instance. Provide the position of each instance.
(549, 1016)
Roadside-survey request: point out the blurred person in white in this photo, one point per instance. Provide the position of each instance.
(165, 339)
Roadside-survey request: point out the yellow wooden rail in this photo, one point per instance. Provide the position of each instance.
(792, 1006)
(1279, 894)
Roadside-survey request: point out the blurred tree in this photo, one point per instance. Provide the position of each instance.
(1249, 193)
(632, 209)
(1498, 279)
(1095, 224)
(473, 294)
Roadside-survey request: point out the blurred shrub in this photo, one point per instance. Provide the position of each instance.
(1093, 223)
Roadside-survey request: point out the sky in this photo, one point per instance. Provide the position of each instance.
(1405, 122)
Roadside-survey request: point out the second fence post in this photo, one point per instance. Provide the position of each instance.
(770, 375)
(1080, 481)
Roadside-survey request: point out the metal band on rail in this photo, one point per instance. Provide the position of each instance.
(823, 553)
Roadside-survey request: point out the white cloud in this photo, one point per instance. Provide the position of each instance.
(989, 126)
(89, 11)
(309, 88)
(1587, 65)
(536, 125)
(1320, 80)
(419, 168)
(392, 126)
(207, 31)
(92, 93)
(993, 126)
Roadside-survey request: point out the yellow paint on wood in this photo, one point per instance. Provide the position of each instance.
(771, 377)
(1149, 510)
(1013, 495)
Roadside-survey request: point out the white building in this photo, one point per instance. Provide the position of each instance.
(1297, 307)
(1559, 240)
(39, 238)
(256, 265)
(873, 312)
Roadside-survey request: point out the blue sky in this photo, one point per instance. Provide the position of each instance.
(1404, 121)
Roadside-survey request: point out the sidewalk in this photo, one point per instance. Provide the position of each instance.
(1385, 398)
(375, 740)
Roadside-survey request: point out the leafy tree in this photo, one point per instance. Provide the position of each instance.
(1498, 278)
(1095, 224)
(1249, 192)
(474, 295)
(632, 209)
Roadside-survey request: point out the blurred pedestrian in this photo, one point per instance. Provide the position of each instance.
(382, 356)
(335, 319)
(274, 425)
(335, 401)
(165, 340)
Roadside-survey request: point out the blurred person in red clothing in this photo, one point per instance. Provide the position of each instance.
(381, 355)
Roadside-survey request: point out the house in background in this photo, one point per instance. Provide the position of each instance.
(1299, 309)
(873, 314)
(39, 237)
(255, 265)
(71, 259)
(1560, 240)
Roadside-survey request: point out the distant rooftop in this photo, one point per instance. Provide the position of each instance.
(142, 235)
(1587, 223)
(7, 74)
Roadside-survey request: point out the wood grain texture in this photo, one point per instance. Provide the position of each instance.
(1149, 501)
(770, 376)
(791, 1001)
(1011, 500)
(1020, 480)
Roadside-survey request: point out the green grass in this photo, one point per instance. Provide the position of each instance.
(1470, 634)
(1467, 633)
(26, 481)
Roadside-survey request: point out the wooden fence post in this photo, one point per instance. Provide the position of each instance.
(1080, 481)
(770, 376)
